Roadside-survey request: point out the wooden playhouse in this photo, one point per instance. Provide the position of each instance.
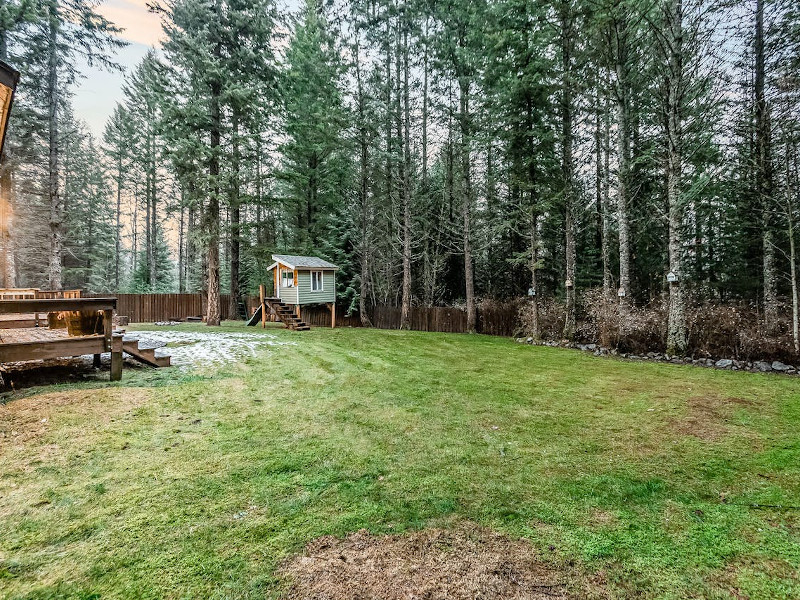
(298, 281)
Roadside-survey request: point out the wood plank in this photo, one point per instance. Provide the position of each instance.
(77, 346)
(116, 358)
(56, 305)
(17, 323)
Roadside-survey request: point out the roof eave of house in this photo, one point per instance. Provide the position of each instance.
(296, 267)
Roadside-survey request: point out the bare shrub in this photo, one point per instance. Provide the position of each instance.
(551, 318)
(737, 331)
(715, 329)
(636, 329)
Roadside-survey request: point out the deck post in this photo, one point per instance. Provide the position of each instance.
(297, 310)
(108, 330)
(116, 358)
(332, 307)
(108, 327)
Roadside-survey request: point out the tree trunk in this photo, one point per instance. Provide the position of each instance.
(56, 203)
(793, 271)
(214, 309)
(405, 310)
(118, 225)
(605, 244)
(793, 187)
(236, 296)
(466, 204)
(153, 228)
(676, 326)
(191, 246)
(181, 247)
(135, 231)
(764, 177)
(365, 242)
(623, 158)
(425, 102)
(567, 166)
(535, 332)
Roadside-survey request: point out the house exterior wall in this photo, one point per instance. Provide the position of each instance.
(306, 296)
(288, 294)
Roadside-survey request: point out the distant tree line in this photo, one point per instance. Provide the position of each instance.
(439, 151)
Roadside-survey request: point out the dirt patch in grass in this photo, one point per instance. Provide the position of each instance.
(25, 419)
(707, 417)
(462, 564)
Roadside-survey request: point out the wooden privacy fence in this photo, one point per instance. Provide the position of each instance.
(492, 318)
(150, 308)
(320, 316)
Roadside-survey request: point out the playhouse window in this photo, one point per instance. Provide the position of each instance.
(287, 278)
(316, 281)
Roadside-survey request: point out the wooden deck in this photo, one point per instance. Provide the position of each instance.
(21, 343)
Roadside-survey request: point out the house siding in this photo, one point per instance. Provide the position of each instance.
(289, 294)
(328, 293)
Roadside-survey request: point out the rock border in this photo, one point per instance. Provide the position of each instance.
(722, 364)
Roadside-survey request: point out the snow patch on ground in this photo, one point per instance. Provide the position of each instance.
(196, 349)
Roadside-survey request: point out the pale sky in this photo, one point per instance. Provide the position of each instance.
(99, 91)
(140, 25)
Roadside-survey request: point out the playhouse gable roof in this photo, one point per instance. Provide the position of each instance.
(302, 262)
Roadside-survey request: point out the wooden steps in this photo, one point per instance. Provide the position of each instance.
(147, 355)
(286, 315)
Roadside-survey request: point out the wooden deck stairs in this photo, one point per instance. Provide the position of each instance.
(145, 352)
(286, 315)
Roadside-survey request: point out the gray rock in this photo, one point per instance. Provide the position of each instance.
(529, 340)
(779, 366)
(724, 363)
(591, 347)
(762, 366)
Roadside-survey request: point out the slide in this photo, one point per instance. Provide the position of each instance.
(256, 318)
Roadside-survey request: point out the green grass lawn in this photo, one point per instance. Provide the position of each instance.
(196, 484)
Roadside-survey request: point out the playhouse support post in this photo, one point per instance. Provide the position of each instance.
(332, 307)
(261, 295)
(297, 310)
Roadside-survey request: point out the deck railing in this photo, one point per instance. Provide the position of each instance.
(37, 294)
